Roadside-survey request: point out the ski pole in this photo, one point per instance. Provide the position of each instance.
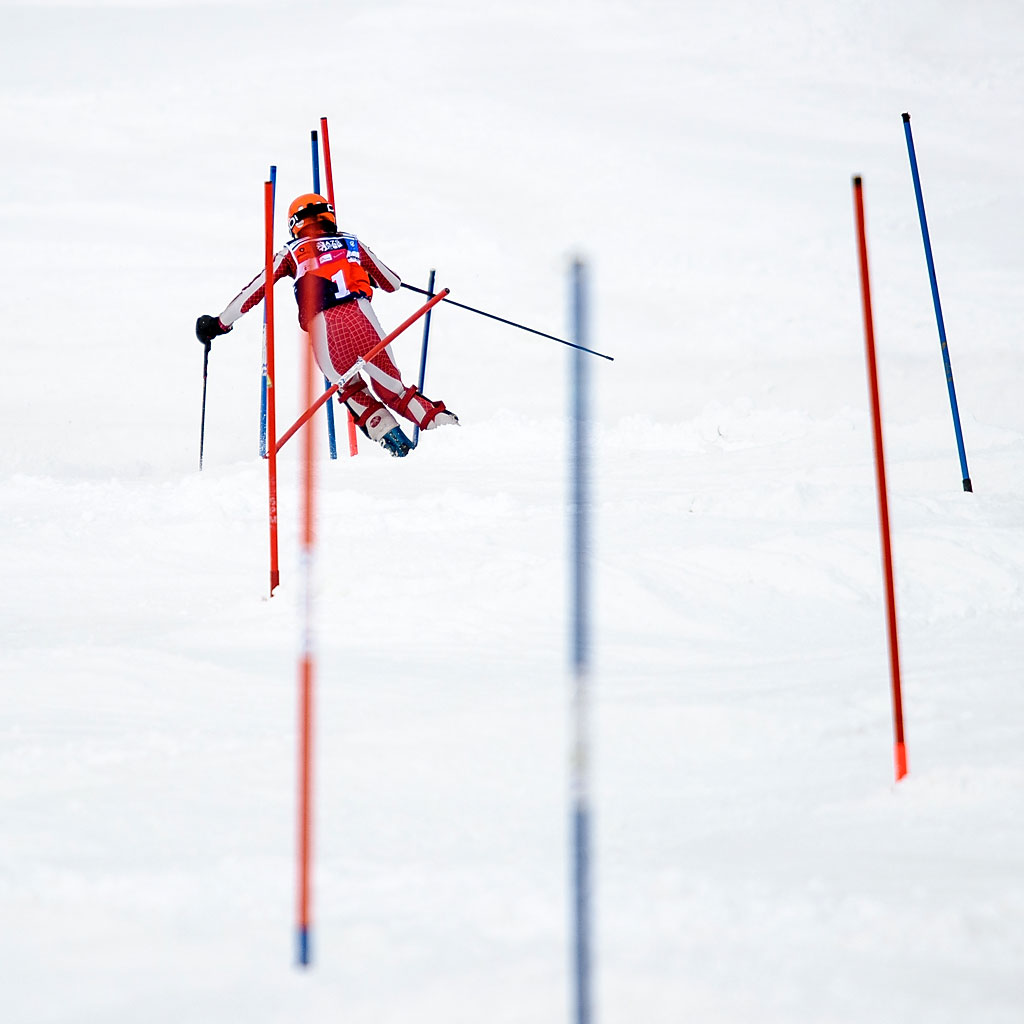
(202, 423)
(512, 323)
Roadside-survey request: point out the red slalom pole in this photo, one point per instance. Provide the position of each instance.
(422, 311)
(305, 674)
(900, 750)
(290, 432)
(328, 175)
(379, 347)
(268, 201)
(353, 437)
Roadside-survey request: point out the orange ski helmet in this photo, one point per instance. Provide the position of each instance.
(307, 207)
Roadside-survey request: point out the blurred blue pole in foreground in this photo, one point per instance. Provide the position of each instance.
(579, 757)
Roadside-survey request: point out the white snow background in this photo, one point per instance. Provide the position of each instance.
(754, 860)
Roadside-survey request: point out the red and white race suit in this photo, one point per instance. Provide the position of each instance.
(334, 280)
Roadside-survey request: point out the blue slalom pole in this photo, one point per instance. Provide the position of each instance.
(938, 306)
(580, 754)
(263, 382)
(423, 354)
(332, 441)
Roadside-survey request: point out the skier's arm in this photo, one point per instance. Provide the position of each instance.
(381, 276)
(252, 294)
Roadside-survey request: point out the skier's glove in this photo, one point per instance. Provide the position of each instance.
(209, 327)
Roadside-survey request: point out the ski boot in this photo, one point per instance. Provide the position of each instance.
(442, 418)
(395, 443)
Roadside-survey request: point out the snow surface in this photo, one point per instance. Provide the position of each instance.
(754, 860)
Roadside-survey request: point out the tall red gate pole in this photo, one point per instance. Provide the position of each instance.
(900, 750)
(268, 206)
(353, 437)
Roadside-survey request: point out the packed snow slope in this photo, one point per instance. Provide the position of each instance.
(754, 860)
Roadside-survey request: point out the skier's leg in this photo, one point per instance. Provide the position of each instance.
(405, 400)
(318, 338)
(373, 419)
(341, 335)
(369, 414)
(424, 412)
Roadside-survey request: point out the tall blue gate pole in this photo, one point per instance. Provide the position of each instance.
(263, 381)
(423, 353)
(332, 441)
(580, 753)
(938, 306)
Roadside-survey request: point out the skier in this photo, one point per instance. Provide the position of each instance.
(335, 275)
